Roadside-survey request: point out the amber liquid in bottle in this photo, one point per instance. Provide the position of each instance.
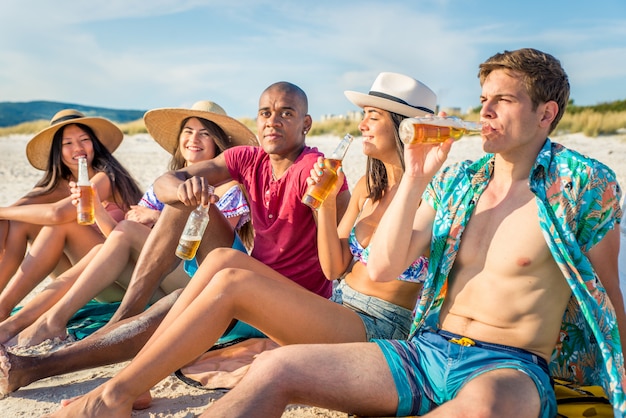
(85, 213)
(193, 232)
(187, 246)
(435, 130)
(318, 192)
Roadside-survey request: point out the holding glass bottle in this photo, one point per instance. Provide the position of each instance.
(85, 210)
(317, 193)
(193, 232)
(436, 129)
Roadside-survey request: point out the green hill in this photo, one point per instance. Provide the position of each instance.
(14, 113)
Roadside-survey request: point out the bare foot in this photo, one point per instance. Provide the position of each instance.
(142, 402)
(5, 368)
(7, 335)
(8, 340)
(40, 331)
(93, 404)
(13, 371)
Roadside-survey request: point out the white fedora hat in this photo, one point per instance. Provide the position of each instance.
(397, 93)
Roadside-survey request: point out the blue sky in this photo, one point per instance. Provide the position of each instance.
(133, 54)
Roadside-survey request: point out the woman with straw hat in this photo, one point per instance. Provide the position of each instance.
(46, 217)
(189, 135)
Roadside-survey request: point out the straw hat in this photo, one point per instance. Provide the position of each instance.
(397, 93)
(164, 125)
(38, 148)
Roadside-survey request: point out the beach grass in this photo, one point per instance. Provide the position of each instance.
(590, 122)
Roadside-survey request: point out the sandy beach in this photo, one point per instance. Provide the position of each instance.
(146, 160)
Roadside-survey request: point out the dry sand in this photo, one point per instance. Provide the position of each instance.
(146, 160)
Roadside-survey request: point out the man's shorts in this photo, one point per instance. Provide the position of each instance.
(433, 366)
(382, 319)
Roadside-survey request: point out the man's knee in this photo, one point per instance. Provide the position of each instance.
(269, 365)
(501, 391)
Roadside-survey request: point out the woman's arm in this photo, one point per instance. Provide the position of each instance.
(143, 215)
(41, 213)
(103, 218)
(332, 239)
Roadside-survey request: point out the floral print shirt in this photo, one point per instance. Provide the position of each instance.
(578, 203)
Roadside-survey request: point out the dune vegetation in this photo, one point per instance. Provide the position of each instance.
(593, 121)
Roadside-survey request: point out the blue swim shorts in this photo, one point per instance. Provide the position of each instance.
(382, 319)
(431, 368)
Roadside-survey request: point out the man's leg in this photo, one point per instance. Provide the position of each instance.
(346, 377)
(498, 393)
(120, 342)
(158, 258)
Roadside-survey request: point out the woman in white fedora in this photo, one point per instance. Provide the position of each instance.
(46, 217)
(360, 309)
(190, 136)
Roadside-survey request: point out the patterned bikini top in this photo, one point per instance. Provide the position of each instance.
(415, 273)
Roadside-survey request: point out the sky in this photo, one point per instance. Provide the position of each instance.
(134, 54)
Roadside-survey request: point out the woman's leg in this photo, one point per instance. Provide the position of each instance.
(44, 255)
(152, 265)
(42, 302)
(103, 269)
(4, 233)
(260, 297)
(18, 236)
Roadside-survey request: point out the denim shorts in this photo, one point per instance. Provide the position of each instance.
(382, 319)
(433, 366)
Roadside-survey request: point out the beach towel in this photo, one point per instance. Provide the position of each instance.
(223, 366)
(90, 318)
(575, 401)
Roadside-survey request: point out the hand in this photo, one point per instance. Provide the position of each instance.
(424, 160)
(75, 194)
(196, 191)
(321, 172)
(142, 215)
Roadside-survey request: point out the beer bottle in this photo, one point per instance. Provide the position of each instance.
(85, 210)
(436, 129)
(318, 192)
(193, 231)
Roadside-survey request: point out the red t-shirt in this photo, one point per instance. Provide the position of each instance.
(285, 230)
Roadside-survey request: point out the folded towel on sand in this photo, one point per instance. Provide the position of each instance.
(224, 364)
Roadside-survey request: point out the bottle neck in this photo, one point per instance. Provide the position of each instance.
(83, 172)
(342, 148)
